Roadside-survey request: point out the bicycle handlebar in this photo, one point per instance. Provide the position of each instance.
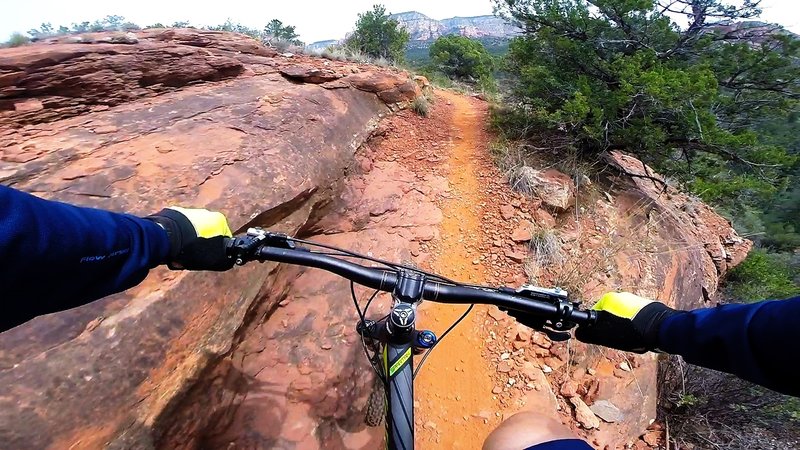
(436, 291)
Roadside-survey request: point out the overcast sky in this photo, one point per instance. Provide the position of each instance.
(315, 19)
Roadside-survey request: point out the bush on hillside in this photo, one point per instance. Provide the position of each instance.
(763, 275)
(461, 58)
(17, 39)
(378, 36)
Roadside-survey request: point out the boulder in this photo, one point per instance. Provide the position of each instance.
(309, 74)
(70, 75)
(522, 233)
(583, 414)
(390, 88)
(555, 189)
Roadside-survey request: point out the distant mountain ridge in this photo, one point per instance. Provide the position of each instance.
(422, 28)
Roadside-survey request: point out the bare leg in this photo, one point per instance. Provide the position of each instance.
(526, 429)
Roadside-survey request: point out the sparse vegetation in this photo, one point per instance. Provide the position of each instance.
(17, 39)
(545, 251)
(714, 106)
(710, 409)
(378, 36)
(275, 33)
(764, 275)
(421, 106)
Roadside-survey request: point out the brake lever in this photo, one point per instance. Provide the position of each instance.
(557, 336)
(557, 331)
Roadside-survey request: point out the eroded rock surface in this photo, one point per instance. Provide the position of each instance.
(172, 117)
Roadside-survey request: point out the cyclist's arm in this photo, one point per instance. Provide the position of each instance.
(55, 256)
(755, 341)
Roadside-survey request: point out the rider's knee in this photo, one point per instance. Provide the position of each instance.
(526, 429)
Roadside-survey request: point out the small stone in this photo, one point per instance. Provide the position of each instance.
(511, 381)
(507, 212)
(584, 415)
(607, 411)
(517, 257)
(485, 415)
(624, 366)
(505, 356)
(326, 346)
(529, 370)
(546, 369)
(524, 333)
(541, 340)
(497, 390)
(591, 371)
(504, 367)
(430, 425)
(569, 389)
(652, 438)
(496, 314)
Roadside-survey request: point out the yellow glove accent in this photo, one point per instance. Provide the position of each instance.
(206, 223)
(622, 304)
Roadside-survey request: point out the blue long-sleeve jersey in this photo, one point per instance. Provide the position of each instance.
(753, 341)
(56, 256)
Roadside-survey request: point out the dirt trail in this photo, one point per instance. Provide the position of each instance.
(454, 388)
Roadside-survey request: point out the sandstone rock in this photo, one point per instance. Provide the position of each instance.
(422, 81)
(388, 87)
(504, 367)
(555, 189)
(496, 314)
(607, 411)
(105, 71)
(541, 340)
(309, 74)
(507, 212)
(543, 219)
(569, 389)
(524, 333)
(522, 233)
(583, 414)
(422, 28)
(515, 256)
(153, 371)
(653, 438)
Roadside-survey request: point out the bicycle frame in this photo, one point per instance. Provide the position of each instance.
(399, 391)
(399, 340)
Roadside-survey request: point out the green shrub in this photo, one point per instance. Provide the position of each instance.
(421, 106)
(378, 36)
(462, 58)
(17, 39)
(763, 275)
